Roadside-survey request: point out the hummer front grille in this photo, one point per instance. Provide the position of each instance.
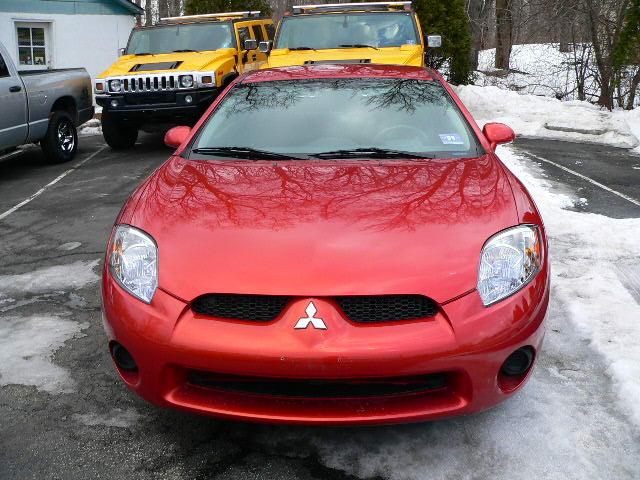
(162, 82)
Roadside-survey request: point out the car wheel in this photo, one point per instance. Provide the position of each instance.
(60, 143)
(118, 135)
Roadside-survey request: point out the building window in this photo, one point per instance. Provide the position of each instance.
(32, 46)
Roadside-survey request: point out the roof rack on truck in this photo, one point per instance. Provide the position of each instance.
(214, 16)
(341, 7)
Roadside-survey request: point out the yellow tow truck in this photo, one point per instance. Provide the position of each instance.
(171, 72)
(374, 32)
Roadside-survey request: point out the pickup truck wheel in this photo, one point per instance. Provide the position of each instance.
(60, 143)
(118, 136)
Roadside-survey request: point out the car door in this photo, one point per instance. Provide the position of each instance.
(260, 35)
(247, 59)
(13, 105)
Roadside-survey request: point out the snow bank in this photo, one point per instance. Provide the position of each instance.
(590, 254)
(545, 117)
(92, 127)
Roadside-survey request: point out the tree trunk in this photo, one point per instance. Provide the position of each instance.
(504, 33)
(148, 13)
(635, 83)
(163, 9)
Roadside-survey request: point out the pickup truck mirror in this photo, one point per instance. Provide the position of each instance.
(498, 133)
(250, 44)
(175, 136)
(265, 47)
(434, 41)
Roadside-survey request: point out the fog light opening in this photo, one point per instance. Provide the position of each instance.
(518, 363)
(188, 99)
(123, 358)
(114, 103)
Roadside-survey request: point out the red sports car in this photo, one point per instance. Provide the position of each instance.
(330, 244)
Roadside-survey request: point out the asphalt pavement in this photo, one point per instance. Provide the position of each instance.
(64, 413)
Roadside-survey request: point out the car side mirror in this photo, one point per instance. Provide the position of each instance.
(250, 44)
(434, 41)
(498, 133)
(266, 46)
(121, 51)
(176, 136)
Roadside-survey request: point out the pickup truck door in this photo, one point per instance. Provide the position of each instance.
(247, 59)
(13, 105)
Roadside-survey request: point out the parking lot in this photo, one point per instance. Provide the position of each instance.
(65, 414)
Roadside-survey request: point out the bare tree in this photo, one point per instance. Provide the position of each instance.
(504, 33)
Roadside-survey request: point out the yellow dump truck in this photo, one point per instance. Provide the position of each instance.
(171, 72)
(375, 32)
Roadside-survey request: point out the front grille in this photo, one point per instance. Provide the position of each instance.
(305, 388)
(361, 309)
(259, 308)
(386, 308)
(160, 82)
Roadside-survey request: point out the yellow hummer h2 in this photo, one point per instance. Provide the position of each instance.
(171, 72)
(376, 32)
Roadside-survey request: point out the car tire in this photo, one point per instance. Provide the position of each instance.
(60, 143)
(119, 136)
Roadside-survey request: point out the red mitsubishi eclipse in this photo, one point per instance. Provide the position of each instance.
(330, 244)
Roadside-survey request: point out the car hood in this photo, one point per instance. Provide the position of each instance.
(305, 228)
(184, 62)
(404, 55)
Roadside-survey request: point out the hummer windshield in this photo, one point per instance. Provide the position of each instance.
(181, 38)
(350, 30)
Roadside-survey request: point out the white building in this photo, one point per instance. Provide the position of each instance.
(66, 33)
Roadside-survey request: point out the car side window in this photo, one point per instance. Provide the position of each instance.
(257, 33)
(4, 69)
(271, 31)
(243, 34)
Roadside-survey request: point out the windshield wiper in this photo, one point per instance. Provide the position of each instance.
(144, 53)
(244, 153)
(183, 50)
(358, 45)
(302, 48)
(371, 152)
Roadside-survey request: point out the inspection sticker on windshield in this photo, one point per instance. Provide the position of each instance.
(451, 139)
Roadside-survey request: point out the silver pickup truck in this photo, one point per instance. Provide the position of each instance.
(43, 106)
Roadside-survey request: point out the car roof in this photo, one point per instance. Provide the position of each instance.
(338, 70)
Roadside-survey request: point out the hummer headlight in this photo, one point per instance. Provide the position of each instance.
(186, 81)
(115, 85)
(509, 260)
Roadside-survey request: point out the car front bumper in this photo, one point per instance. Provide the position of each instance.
(158, 107)
(465, 341)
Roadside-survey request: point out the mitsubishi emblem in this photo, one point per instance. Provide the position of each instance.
(310, 319)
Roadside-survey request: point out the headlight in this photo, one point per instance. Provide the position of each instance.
(186, 81)
(509, 260)
(134, 262)
(115, 85)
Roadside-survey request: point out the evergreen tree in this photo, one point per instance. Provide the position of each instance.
(447, 18)
(197, 7)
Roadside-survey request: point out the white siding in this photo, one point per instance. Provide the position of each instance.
(89, 41)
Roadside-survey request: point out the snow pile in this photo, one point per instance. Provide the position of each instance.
(591, 255)
(545, 117)
(92, 127)
(29, 342)
(27, 346)
(59, 277)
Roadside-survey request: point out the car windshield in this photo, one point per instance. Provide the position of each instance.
(336, 119)
(332, 30)
(171, 38)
